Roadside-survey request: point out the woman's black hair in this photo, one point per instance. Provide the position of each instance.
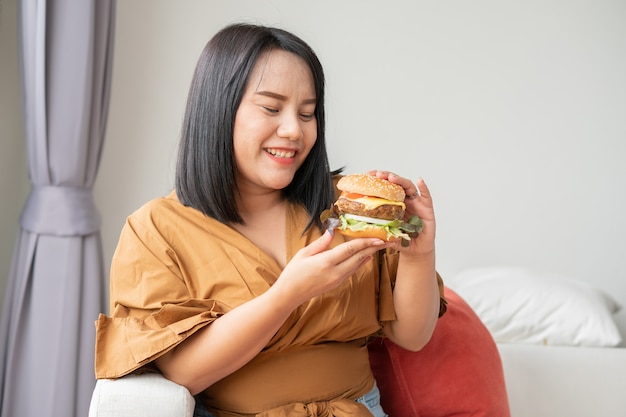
(205, 171)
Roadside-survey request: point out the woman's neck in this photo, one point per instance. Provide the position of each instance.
(264, 218)
(251, 204)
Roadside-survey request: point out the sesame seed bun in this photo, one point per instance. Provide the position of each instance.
(371, 186)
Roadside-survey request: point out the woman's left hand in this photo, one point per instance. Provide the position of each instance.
(418, 202)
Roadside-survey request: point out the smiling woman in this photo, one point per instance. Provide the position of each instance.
(232, 280)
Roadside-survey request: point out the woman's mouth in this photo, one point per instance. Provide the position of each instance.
(281, 153)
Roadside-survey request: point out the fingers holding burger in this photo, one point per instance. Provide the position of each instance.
(411, 190)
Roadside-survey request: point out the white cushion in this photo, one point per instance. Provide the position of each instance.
(520, 305)
(140, 396)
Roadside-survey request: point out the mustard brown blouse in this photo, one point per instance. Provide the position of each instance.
(176, 270)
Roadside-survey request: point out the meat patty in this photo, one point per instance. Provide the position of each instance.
(386, 212)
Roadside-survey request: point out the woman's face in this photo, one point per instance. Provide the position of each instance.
(275, 125)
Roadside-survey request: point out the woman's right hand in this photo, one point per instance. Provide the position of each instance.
(316, 269)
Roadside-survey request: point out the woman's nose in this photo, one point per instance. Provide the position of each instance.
(289, 127)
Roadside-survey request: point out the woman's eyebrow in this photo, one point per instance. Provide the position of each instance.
(281, 97)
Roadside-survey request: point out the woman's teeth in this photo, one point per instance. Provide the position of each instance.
(280, 153)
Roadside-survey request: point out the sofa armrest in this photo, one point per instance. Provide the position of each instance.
(139, 396)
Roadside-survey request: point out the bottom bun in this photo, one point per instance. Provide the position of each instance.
(374, 232)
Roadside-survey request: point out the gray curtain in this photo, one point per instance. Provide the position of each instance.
(56, 285)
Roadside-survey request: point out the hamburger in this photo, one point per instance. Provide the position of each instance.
(369, 206)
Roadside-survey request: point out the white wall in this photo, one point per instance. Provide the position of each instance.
(512, 111)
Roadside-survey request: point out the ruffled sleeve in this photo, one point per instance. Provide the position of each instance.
(152, 310)
(125, 343)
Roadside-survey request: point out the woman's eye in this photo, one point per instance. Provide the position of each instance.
(270, 109)
(307, 116)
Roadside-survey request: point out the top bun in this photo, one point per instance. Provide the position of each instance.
(372, 186)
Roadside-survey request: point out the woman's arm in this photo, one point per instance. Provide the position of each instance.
(228, 343)
(416, 299)
(416, 291)
(234, 339)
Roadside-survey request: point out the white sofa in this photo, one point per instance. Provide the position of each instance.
(564, 381)
(542, 381)
(140, 395)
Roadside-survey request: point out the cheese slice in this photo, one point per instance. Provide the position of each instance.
(371, 203)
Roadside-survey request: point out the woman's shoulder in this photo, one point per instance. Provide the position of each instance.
(168, 203)
(165, 210)
(167, 220)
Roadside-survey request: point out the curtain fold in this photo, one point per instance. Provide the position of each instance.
(56, 286)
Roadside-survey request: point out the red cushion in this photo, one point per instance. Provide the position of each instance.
(458, 373)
